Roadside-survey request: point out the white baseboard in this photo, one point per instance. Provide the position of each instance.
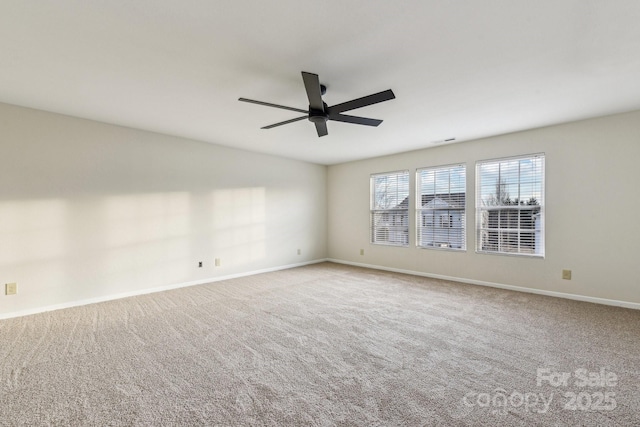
(152, 290)
(595, 300)
(70, 304)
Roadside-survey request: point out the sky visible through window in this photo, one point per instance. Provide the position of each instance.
(390, 189)
(443, 180)
(511, 181)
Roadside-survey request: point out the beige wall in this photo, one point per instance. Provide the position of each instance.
(592, 211)
(90, 210)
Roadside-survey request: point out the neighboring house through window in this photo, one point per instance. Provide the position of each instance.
(390, 208)
(441, 207)
(510, 205)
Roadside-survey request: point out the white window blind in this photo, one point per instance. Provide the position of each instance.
(390, 208)
(510, 206)
(440, 207)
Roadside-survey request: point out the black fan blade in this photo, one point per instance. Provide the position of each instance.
(321, 128)
(268, 104)
(354, 119)
(312, 86)
(362, 102)
(285, 122)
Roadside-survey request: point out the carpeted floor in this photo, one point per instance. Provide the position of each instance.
(324, 345)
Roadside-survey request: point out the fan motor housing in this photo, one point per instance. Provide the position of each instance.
(318, 116)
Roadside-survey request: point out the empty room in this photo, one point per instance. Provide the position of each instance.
(349, 213)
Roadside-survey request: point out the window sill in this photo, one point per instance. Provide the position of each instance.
(511, 254)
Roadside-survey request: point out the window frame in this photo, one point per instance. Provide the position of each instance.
(401, 229)
(539, 252)
(430, 221)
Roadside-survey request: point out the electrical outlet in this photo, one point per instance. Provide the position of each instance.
(299, 252)
(217, 262)
(11, 288)
(199, 263)
(361, 251)
(566, 274)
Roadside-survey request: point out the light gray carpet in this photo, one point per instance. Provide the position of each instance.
(321, 345)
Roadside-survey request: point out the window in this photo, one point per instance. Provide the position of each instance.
(390, 208)
(510, 206)
(440, 207)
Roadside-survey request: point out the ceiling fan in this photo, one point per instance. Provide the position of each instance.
(319, 113)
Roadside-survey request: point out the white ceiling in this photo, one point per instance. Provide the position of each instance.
(463, 69)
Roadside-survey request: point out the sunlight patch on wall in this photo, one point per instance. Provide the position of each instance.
(147, 238)
(138, 218)
(239, 224)
(32, 230)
